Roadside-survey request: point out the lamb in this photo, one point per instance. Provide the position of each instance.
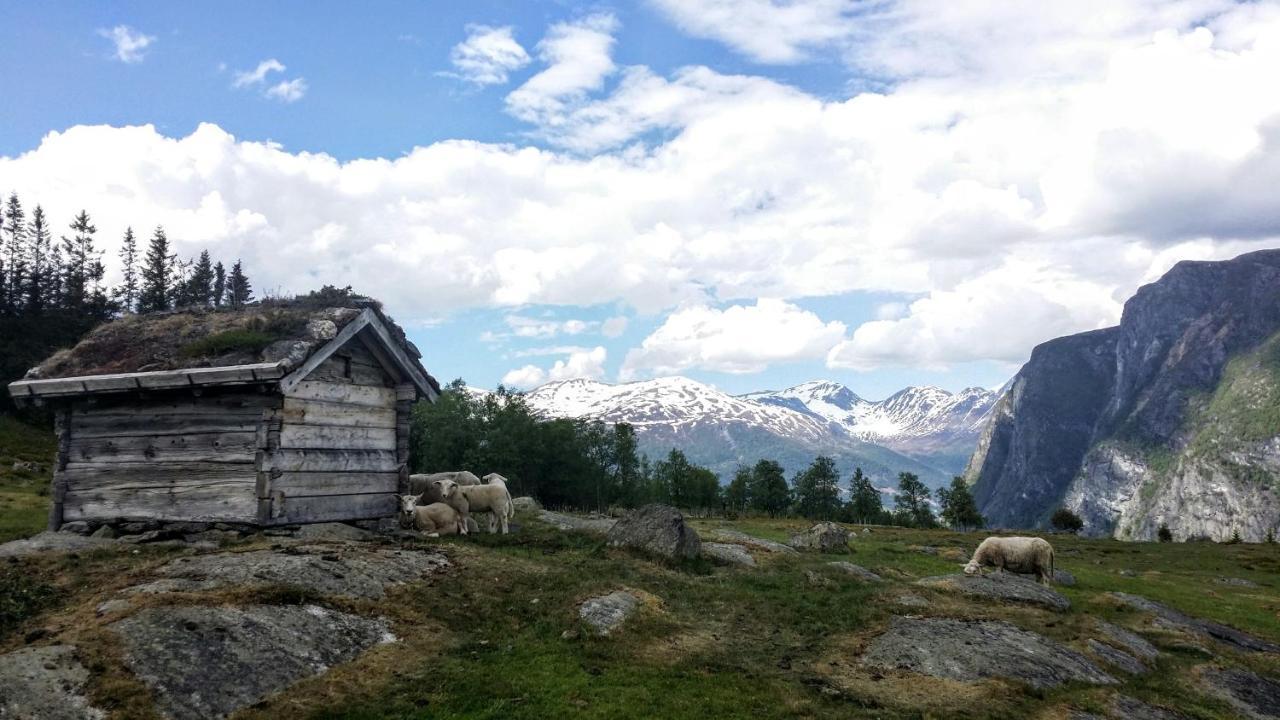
(433, 520)
(492, 497)
(446, 491)
(418, 483)
(1028, 555)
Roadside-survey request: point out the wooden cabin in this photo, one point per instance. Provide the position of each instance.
(270, 414)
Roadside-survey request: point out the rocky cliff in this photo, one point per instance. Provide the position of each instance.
(1172, 417)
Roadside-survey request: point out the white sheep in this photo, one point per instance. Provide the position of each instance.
(1027, 555)
(495, 479)
(494, 498)
(433, 520)
(446, 491)
(418, 483)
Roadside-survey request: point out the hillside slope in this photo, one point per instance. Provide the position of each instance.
(1170, 417)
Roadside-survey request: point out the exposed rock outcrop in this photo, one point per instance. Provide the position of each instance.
(1000, 586)
(1160, 419)
(1237, 639)
(44, 682)
(659, 530)
(605, 613)
(826, 537)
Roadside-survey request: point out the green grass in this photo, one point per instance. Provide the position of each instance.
(24, 494)
(228, 341)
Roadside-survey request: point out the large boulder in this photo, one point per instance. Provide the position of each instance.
(970, 651)
(524, 503)
(826, 537)
(659, 530)
(208, 662)
(44, 682)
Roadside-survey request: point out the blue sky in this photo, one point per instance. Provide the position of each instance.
(752, 193)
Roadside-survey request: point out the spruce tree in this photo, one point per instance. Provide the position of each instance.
(768, 489)
(79, 255)
(219, 284)
(817, 490)
(239, 291)
(737, 494)
(38, 269)
(201, 282)
(14, 225)
(157, 275)
(865, 505)
(127, 293)
(959, 509)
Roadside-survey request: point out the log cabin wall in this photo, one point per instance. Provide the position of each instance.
(174, 456)
(331, 451)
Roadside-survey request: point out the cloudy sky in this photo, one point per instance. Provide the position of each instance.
(752, 193)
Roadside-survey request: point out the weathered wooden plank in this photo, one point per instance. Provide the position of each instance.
(111, 424)
(179, 404)
(190, 447)
(368, 342)
(342, 368)
(294, 460)
(322, 508)
(333, 483)
(210, 502)
(319, 412)
(151, 474)
(334, 437)
(350, 394)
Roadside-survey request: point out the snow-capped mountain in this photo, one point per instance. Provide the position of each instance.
(722, 431)
(924, 422)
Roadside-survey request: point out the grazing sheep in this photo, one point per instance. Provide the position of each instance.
(1028, 555)
(433, 520)
(446, 491)
(495, 499)
(418, 483)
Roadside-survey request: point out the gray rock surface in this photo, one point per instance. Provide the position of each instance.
(857, 571)
(207, 662)
(525, 503)
(52, 542)
(46, 683)
(912, 601)
(728, 553)
(1127, 708)
(1253, 695)
(741, 538)
(1001, 586)
(1236, 582)
(1128, 640)
(356, 572)
(1062, 577)
(109, 607)
(78, 527)
(605, 613)
(656, 529)
(575, 522)
(1237, 639)
(332, 532)
(969, 651)
(826, 537)
(1118, 659)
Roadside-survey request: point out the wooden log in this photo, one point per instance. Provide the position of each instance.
(333, 483)
(331, 437)
(323, 508)
(233, 501)
(192, 447)
(371, 346)
(319, 412)
(350, 394)
(92, 476)
(293, 460)
(211, 402)
(106, 425)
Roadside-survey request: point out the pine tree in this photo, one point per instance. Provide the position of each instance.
(53, 296)
(738, 494)
(38, 269)
(239, 291)
(912, 502)
(157, 275)
(768, 489)
(127, 293)
(959, 509)
(219, 284)
(865, 505)
(817, 490)
(13, 223)
(626, 464)
(79, 255)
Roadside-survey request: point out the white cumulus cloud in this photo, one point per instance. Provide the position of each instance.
(130, 45)
(738, 339)
(578, 56)
(580, 363)
(488, 55)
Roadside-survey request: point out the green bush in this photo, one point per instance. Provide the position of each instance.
(1064, 520)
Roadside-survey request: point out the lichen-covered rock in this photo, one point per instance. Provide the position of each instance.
(207, 662)
(1130, 641)
(857, 571)
(825, 537)
(1175, 619)
(1001, 586)
(741, 538)
(969, 651)
(575, 522)
(1118, 659)
(728, 554)
(656, 529)
(1124, 707)
(605, 613)
(1251, 694)
(46, 683)
(332, 532)
(52, 542)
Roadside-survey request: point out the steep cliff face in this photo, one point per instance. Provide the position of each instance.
(1171, 417)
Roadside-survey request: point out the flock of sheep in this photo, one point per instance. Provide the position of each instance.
(442, 503)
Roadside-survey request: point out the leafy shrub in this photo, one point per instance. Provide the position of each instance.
(1064, 520)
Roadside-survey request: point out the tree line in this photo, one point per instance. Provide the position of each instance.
(53, 291)
(585, 465)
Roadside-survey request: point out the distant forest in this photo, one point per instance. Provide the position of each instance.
(53, 291)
